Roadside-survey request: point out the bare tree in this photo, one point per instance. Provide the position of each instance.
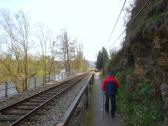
(49, 47)
(66, 50)
(54, 53)
(16, 30)
(79, 63)
(43, 39)
(23, 32)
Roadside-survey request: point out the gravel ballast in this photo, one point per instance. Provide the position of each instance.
(53, 112)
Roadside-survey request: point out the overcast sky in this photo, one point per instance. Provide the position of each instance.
(89, 21)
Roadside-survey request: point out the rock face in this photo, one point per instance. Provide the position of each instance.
(164, 89)
(145, 49)
(146, 46)
(149, 48)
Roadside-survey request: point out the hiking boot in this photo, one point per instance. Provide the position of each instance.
(107, 111)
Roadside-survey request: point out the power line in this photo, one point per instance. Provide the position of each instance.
(147, 2)
(116, 22)
(117, 38)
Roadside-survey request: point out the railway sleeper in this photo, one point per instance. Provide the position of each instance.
(15, 112)
(46, 95)
(43, 97)
(34, 118)
(29, 123)
(50, 93)
(46, 108)
(51, 103)
(25, 107)
(42, 112)
(10, 118)
(31, 104)
(5, 123)
(37, 100)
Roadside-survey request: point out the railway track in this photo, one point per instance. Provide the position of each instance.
(19, 112)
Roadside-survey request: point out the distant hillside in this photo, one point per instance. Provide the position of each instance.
(91, 63)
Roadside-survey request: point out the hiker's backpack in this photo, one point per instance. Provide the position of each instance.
(110, 88)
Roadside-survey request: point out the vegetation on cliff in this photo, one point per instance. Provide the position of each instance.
(143, 64)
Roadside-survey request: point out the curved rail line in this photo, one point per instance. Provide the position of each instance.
(22, 110)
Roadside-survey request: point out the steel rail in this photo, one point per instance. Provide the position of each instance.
(75, 103)
(24, 117)
(38, 93)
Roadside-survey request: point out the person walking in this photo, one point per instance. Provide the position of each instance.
(109, 87)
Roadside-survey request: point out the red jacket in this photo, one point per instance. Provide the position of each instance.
(110, 79)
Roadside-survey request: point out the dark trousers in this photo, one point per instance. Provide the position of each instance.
(113, 104)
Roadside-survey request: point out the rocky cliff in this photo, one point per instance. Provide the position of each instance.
(145, 49)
